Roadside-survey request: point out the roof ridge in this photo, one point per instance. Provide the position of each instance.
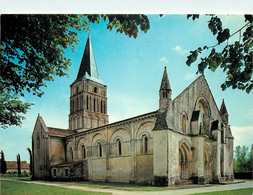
(188, 87)
(58, 128)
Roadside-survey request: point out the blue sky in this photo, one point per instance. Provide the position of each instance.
(132, 70)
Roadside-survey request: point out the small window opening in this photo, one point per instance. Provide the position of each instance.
(99, 150)
(119, 147)
(87, 103)
(38, 141)
(145, 144)
(54, 172)
(84, 152)
(164, 94)
(94, 105)
(95, 90)
(71, 153)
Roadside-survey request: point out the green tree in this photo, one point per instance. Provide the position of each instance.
(249, 164)
(32, 53)
(242, 159)
(235, 59)
(19, 165)
(3, 163)
(31, 159)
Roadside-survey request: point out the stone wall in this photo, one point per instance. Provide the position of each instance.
(186, 102)
(56, 150)
(133, 162)
(40, 150)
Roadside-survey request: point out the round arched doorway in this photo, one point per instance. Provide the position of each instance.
(185, 158)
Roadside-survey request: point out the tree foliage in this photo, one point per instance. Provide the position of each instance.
(19, 164)
(236, 58)
(31, 159)
(243, 160)
(3, 163)
(32, 53)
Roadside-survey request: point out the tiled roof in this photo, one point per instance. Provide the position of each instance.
(59, 132)
(165, 84)
(64, 165)
(14, 165)
(88, 67)
(161, 122)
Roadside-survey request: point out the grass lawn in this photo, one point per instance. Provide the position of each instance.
(17, 188)
(118, 186)
(246, 191)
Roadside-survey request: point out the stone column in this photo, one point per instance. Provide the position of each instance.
(216, 155)
(107, 153)
(133, 152)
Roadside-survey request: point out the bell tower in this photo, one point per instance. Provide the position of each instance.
(164, 92)
(88, 95)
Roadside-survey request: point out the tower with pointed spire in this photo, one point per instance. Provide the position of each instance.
(164, 92)
(88, 96)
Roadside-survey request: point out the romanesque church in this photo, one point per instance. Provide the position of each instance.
(187, 140)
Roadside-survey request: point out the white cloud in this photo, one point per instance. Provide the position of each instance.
(189, 76)
(164, 60)
(180, 50)
(242, 135)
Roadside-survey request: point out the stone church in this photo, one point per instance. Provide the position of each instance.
(187, 140)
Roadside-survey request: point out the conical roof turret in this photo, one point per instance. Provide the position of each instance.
(223, 109)
(88, 67)
(165, 84)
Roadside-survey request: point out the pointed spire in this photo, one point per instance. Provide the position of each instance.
(165, 84)
(88, 67)
(223, 112)
(223, 109)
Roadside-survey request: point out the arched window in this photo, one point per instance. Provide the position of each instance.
(77, 90)
(94, 105)
(101, 106)
(99, 147)
(97, 106)
(71, 153)
(95, 90)
(38, 141)
(118, 145)
(145, 144)
(87, 103)
(104, 108)
(184, 123)
(164, 94)
(83, 152)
